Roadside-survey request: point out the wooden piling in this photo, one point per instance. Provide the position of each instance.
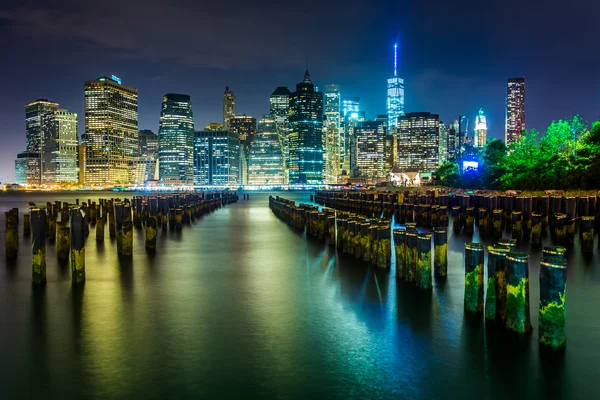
(495, 298)
(552, 316)
(37, 218)
(424, 262)
(517, 292)
(11, 222)
(440, 253)
(400, 252)
(473, 278)
(77, 245)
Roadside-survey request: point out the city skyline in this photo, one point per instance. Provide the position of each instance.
(439, 72)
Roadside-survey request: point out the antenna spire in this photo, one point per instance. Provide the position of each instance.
(395, 59)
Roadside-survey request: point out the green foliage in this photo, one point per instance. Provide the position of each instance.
(567, 156)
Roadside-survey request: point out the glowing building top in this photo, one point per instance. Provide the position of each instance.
(395, 94)
(480, 138)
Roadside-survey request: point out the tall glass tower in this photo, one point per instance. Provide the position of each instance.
(265, 162)
(515, 109)
(395, 94)
(334, 141)
(59, 142)
(111, 130)
(176, 140)
(480, 137)
(306, 133)
(228, 107)
(279, 107)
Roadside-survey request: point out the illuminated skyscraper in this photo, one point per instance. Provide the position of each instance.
(145, 165)
(111, 130)
(27, 169)
(350, 105)
(418, 141)
(244, 127)
(59, 142)
(279, 106)
(480, 137)
(216, 158)
(176, 140)
(369, 140)
(334, 143)
(265, 162)
(515, 109)
(213, 126)
(444, 140)
(395, 94)
(306, 133)
(147, 143)
(33, 123)
(228, 107)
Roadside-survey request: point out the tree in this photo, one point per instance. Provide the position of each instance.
(493, 155)
(449, 174)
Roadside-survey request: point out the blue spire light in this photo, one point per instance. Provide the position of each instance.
(395, 59)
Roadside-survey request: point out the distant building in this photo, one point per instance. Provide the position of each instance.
(27, 169)
(265, 161)
(216, 158)
(480, 136)
(33, 133)
(306, 133)
(279, 106)
(395, 94)
(244, 126)
(111, 130)
(372, 159)
(463, 130)
(334, 141)
(444, 139)
(418, 141)
(59, 147)
(147, 143)
(515, 109)
(213, 126)
(350, 105)
(228, 107)
(176, 140)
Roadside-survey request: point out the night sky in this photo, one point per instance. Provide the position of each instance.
(454, 56)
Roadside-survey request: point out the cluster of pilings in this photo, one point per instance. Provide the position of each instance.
(68, 225)
(369, 239)
(507, 295)
(526, 218)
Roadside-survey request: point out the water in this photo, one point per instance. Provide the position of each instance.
(241, 306)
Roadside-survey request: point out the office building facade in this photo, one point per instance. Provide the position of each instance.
(265, 161)
(395, 94)
(279, 106)
(59, 148)
(228, 107)
(515, 110)
(111, 130)
(371, 152)
(27, 169)
(306, 134)
(216, 158)
(176, 140)
(334, 142)
(418, 141)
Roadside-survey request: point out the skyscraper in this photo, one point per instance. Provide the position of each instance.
(444, 140)
(147, 143)
(59, 142)
(334, 143)
(515, 109)
(228, 107)
(27, 169)
(350, 105)
(279, 106)
(395, 94)
(418, 141)
(480, 137)
(244, 127)
(370, 141)
(145, 166)
(111, 130)
(463, 130)
(265, 161)
(306, 133)
(216, 158)
(33, 131)
(176, 140)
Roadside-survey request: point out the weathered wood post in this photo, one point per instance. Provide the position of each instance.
(560, 228)
(497, 218)
(331, 229)
(384, 249)
(112, 226)
(374, 241)
(495, 298)
(63, 241)
(51, 221)
(357, 240)
(424, 263)
(586, 227)
(77, 245)
(37, 217)
(571, 211)
(551, 251)
(474, 277)
(470, 220)
(510, 243)
(552, 316)
(517, 292)
(440, 253)
(342, 224)
(400, 250)
(127, 250)
(412, 254)
(11, 223)
(178, 219)
(517, 225)
(26, 226)
(456, 219)
(536, 228)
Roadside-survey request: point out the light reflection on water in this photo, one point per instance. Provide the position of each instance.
(239, 305)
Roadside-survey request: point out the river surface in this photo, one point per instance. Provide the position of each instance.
(238, 305)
